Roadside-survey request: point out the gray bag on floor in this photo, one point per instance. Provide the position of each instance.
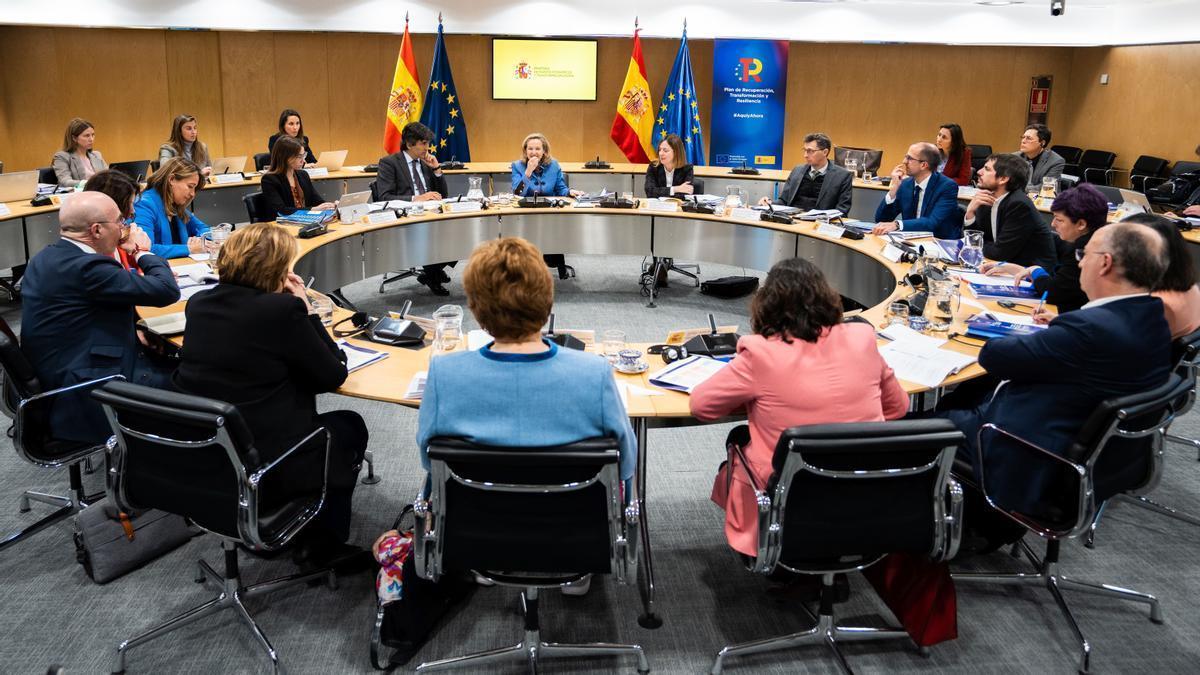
(109, 543)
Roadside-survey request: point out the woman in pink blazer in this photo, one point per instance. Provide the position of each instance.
(802, 366)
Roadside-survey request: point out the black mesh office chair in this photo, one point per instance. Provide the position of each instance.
(1187, 348)
(195, 457)
(1119, 449)
(28, 404)
(1096, 166)
(137, 169)
(256, 208)
(261, 160)
(1146, 167)
(530, 518)
(840, 498)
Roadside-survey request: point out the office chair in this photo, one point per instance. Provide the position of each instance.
(869, 159)
(261, 160)
(1119, 449)
(154, 164)
(187, 455)
(531, 518)
(1180, 168)
(656, 267)
(138, 169)
(979, 155)
(1145, 168)
(47, 176)
(396, 275)
(1069, 153)
(1187, 348)
(840, 498)
(256, 208)
(26, 402)
(1096, 166)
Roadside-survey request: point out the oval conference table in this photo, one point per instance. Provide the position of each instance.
(353, 252)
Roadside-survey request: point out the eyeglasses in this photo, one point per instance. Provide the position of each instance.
(912, 159)
(813, 151)
(1080, 252)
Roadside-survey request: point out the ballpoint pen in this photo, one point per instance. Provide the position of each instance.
(1041, 303)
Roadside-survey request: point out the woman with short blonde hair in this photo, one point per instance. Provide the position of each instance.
(162, 210)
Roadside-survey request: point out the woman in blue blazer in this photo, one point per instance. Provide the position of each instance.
(162, 210)
(537, 173)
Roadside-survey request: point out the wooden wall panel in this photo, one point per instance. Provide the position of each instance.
(194, 86)
(884, 96)
(1148, 108)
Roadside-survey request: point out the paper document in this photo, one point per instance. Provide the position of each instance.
(194, 273)
(416, 386)
(358, 356)
(687, 374)
(817, 214)
(478, 339)
(186, 292)
(921, 364)
(166, 324)
(901, 333)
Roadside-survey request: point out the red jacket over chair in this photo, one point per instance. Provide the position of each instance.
(840, 378)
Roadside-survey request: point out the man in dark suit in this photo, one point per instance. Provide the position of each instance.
(1117, 344)
(77, 313)
(817, 183)
(1013, 230)
(920, 198)
(413, 175)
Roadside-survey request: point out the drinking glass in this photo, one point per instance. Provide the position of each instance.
(613, 342)
(897, 313)
(322, 307)
(868, 176)
(735, 198)
(852, 166)
(447, 328)
(939, 306)
(1049, 187)
(475, 188)
(971, 254)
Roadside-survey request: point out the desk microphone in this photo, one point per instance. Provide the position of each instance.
(713, 344)
(565, 340)
(771, 217)
(405, 308)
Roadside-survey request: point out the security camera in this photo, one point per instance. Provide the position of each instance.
(1057, 7)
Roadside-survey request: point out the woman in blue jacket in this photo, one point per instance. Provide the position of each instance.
(538, 174)
(162, 210)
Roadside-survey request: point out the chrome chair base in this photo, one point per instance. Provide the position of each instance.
(1194, 443)
(68, 507)
(397, 276)
(231, 594)
(1048, 574)
(661, 266)
(1089, 537)
(369, 460)
(532, 648)
(826, 632)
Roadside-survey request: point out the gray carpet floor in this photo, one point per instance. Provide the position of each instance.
(52, 613)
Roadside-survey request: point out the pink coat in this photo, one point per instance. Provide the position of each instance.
(840, 378)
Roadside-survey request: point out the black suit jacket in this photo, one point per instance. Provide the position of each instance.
(656, 179)
(1056, 378)
(278, 194)
(395, 181)
(1022, 236)
(263, 353)
(310, 159)
(77, 324)
(837, 190)
(1061, 282)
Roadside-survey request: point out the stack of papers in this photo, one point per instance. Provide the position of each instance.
(358, 356)
(919, 358)
(687, 374)
(816, 214)
(999, 289)
(166, 324)
(307, 217)
(987, 326)
(416, 386)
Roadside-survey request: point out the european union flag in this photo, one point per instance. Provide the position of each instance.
(678, 111)
(443, 111)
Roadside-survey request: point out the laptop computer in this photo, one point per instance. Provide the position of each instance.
(354, 199)
(228, 165)
(1134, 197)
(332, 159)
(18, 186)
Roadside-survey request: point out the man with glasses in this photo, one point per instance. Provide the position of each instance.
(1043, 162)
(919, 198)
(78, 310)
(1052, 380)
(817, 183)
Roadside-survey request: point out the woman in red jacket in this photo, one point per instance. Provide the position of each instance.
(801, 366)
(956, 156)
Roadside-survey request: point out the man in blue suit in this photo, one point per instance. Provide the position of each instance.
(1117, 344)
(920, 198)
(77, 314)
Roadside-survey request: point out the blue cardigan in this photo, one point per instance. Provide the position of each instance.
(548, 180)
(151, 216)
(524, 400)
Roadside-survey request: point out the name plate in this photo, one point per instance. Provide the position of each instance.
(660, 205)
(830, 230)
(226, 178)
(462, 207)
(384, 216)
(317, 172)
(892, 253)
(4, 210)
(745, 214)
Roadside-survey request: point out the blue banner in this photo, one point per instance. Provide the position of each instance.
(748, 96)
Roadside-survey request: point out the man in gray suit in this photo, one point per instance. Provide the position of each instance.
(818, 183)
(1043, 162)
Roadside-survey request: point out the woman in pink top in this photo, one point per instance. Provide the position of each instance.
(1177, 289)
(802, 366)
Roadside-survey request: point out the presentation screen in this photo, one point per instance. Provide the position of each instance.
(544, 70)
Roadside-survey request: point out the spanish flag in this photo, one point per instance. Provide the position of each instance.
(633, 125)
(404, 101)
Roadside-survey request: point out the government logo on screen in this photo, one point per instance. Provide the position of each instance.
(523, 71)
